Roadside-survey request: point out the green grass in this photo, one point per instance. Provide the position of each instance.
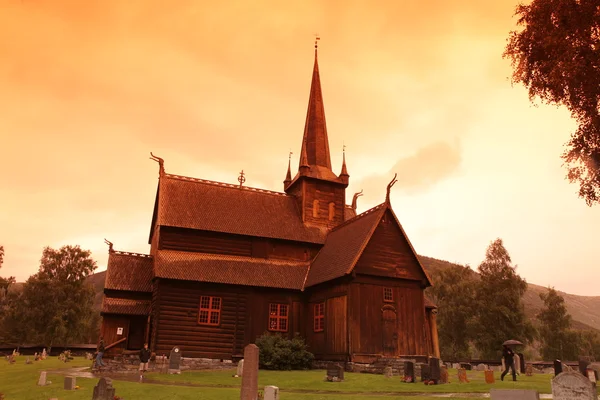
(19, 381)
(355, 382)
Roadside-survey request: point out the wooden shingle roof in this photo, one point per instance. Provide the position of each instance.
(234, 270)
(112, 305)
(343, 246)
(219, 207)
(129, 271)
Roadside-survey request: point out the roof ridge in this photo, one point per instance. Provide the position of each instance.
(223, 184)
(363, 214)
(128, 253)
(242, 258)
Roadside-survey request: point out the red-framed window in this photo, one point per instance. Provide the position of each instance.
(319, 317)
(210, 310)
(278, 317)
(388, 294)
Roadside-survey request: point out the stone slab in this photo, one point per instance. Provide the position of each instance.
(514, 394)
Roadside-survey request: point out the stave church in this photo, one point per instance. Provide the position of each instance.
(228, 263)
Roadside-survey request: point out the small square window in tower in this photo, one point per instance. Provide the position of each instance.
(388, 295)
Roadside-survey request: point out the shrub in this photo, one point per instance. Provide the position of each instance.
(279, 353)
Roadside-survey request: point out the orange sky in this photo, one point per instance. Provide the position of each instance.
(89, 88)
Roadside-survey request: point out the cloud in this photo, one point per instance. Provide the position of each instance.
(417, 172)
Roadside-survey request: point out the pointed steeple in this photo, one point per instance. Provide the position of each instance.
(344, 174)
(315, 145)
(288, 176)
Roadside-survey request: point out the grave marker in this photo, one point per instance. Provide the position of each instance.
(271, 393)
(104, 390)
(335, 373)
(240, 368)
(514, 394)
(250, 374)
(572, 385)
(434, 369)
(42, 379)
(70, 383)
(387, 372)
(462, 376)
(557, 367)
(175, 361)
(443, 375)
(489, 377)
(409, 372)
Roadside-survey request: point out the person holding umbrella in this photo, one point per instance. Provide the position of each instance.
(508, 356)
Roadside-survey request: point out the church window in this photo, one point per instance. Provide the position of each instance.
(388, 294)
(319, 319)
(210, 310)
(278, 317)
(331, 210)
(315, 208)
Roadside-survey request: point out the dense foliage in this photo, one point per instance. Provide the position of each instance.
(557, 57)
(499, 298)
(279, 353)
(453, 292)
(55, 306)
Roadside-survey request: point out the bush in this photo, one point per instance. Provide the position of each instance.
(279, 353)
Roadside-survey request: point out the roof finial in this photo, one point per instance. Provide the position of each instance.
(161, 163)
(356, 196)
(241, 178)
(316, 38)
(110, 245)
(288, 175)
(344, 173)
(389, 186)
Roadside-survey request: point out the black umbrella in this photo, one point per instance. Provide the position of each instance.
(512, 342)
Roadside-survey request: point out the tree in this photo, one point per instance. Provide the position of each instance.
(454, 292)
(557, 57)
(500, 311)
(4, 282)
(56, 304)
(558, 340)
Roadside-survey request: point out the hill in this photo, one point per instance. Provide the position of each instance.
(585, 310)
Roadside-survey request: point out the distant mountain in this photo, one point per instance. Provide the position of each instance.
(585, 310)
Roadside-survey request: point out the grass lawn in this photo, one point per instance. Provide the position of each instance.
(19, 382)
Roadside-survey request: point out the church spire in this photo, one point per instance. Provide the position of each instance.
(344, 174)
(288, 176)
(315, 144)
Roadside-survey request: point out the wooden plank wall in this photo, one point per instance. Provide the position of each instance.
(177, 322)
(325, 193)
(366, 317)
(259, 315)
(389, 254)
(110, 323)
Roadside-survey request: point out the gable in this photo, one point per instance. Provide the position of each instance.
(389, 252)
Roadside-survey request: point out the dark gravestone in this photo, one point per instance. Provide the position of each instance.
(175, 361)
(521, 366)
(434, 369)
(466, 366)
(583, 365)
(70, 383)
(425, 373)
(409, 371)
(104, 390)
(557, 367)
(335, 373)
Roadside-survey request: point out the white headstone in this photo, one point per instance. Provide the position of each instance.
(517, 364)
(481, 367)
(42, 380)
(572, 385)
(514, 394)
(271, 393)
(240, 368)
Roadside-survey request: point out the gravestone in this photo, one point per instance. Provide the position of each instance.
(466, 366)
(28, 361)
(572, 385)
(489, 376)
(425, 373)
(583, 365)
(591, 374)
(104, 390)
(557, 367)
(271, 393)
(456, 365)
(434, 369)
(42, 379)
(70, 383)
(443, 375)
(409, 372)
(521, 365)
(249, 389)
(462, 376)
(514, 394)
(387, 372)
(335, 373)
(240, 368)
(517, 364)
(480, 367)
(175, 361)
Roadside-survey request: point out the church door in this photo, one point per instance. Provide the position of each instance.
(390, 331)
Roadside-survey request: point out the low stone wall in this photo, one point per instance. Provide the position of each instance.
(130, 363)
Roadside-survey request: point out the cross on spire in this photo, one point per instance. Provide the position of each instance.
(316, 39)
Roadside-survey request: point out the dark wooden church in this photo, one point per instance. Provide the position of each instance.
(228, 263)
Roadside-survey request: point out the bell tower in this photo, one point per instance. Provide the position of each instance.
(321, 194)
